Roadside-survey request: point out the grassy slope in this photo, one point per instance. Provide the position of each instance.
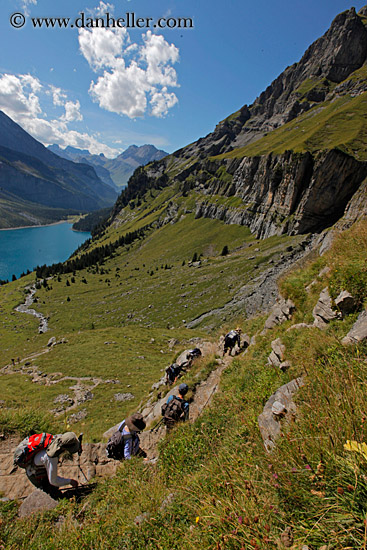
(143, 292)
(339, 123)
(228, 492)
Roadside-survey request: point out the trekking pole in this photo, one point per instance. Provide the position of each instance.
(80, 439)
(158, 425)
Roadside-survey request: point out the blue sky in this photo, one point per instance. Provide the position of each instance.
(105, 89)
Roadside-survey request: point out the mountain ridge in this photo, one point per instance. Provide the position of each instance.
(305, 188)
(35, 174)
(116, 171)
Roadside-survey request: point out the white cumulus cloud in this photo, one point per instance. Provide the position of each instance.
(101, 47)
(133, 78)
(72, 112)
(20, 99)
(18, 95)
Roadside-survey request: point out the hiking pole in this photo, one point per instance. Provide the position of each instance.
(80, 439)
(158, 425)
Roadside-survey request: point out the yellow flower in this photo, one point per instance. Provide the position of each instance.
(197, 519)
(356, 447)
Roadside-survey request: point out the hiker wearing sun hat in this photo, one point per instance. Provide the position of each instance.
(42, 468)
(125, 442)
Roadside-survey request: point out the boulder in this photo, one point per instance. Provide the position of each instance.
(358, 332)
(123, 396)
(281, 311)
(269, 424)
(38, 501)
(323, 312)
(245, 341)
(345, 302)
(277, 355)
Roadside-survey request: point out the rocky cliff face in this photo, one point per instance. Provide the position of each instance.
(288, 193)
(291, 193)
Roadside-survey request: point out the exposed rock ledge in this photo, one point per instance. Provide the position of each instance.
(279, 405)
(291, 193)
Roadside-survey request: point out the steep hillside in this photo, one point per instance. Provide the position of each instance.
(31, 173)
(200, 242)
(290, 162)
(215, 484)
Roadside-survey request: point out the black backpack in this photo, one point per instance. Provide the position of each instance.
(172, 372)
(116, 444)
(173, 411)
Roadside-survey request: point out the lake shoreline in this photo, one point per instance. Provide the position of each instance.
(45, 225)
(36, 246)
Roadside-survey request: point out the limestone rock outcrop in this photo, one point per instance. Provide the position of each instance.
(269, 419)
(323, 312)
(345, 302)
(358, 332)
(277, 355)
(281, 311)
(37, 501)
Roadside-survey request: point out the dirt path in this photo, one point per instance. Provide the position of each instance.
(13, 481)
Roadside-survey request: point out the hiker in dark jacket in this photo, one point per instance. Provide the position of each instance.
(172, 373)
(176, 409)
(42, 469)
(231, 339)
(125, 442)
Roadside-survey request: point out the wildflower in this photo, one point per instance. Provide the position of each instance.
(356, 447)
(308, 467)
(275, 476)
(197, 519)
(294, 470)
(240, 520)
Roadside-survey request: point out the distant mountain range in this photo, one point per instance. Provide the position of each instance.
(37, 186)
(115, 172)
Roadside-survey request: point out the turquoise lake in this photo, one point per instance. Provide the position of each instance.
(22, 249)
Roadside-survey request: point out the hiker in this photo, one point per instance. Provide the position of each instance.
(172, 373)
(231, 339)
(42, 467)
(176, 409)
(125, 442)
(193, 354)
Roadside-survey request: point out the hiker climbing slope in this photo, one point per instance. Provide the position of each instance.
(39, 455)
(231, 339)
(125, 442)
(176, 409)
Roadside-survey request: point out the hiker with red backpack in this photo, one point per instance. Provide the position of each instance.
(176, 409)
(39, 454)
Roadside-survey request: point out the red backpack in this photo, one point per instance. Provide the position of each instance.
(31, 445)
